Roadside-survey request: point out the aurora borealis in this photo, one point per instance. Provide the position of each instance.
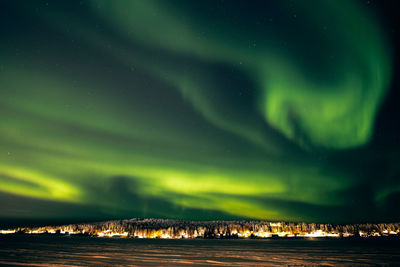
(198, 110)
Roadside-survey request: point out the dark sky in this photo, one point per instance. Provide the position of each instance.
(276, 110)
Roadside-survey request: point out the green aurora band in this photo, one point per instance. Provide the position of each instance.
(189, 109)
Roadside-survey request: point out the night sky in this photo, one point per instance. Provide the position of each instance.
(203, 110)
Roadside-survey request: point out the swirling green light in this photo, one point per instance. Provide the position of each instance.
(154, 108)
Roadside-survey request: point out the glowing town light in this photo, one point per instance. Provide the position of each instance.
(7, 232)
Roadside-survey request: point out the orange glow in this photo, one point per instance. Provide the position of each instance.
(169, 229)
